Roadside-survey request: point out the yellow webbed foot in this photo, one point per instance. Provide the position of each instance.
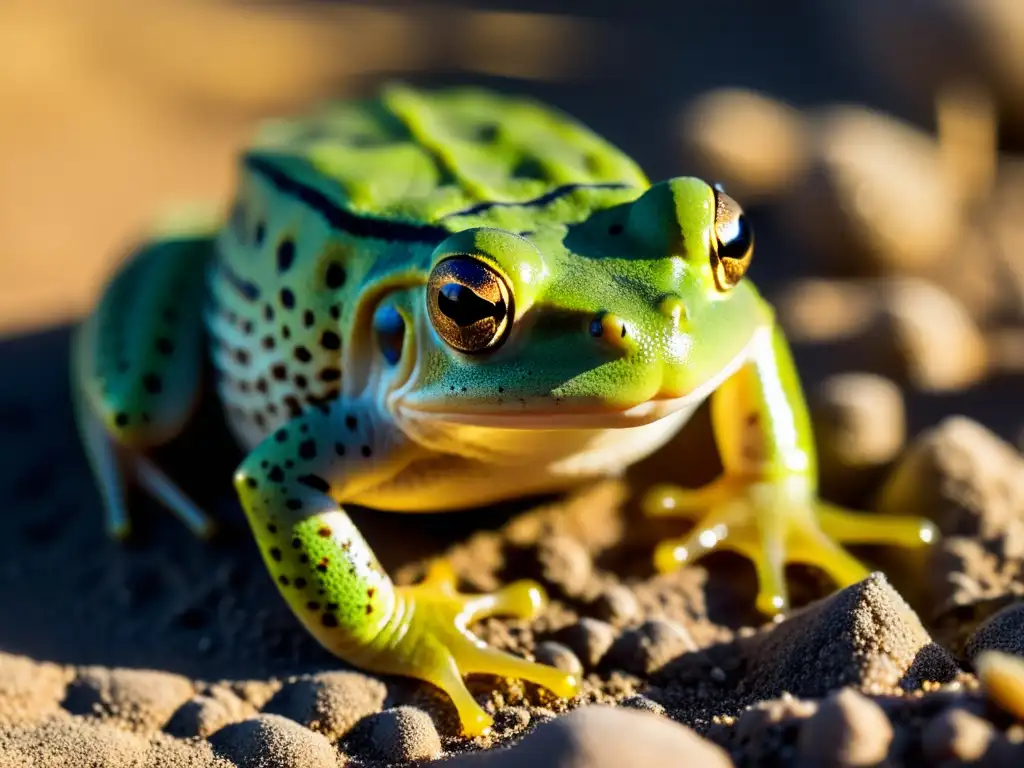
(775, 522)
(433, 641)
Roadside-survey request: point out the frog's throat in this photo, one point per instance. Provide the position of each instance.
(600, 418)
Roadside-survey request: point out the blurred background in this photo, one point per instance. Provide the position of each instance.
(872, 140)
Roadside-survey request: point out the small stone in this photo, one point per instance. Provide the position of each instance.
(956, 733)
(847, 730)
(603, 737)
(401, 735)
(203, 715)
(589, 639)
(329, 702)
(29, 689)
(142, 700)
(512, 719)
(1002, 678)
(1003, 631)
(565, 564)
(616, 604)
(558, 656)
(650, 646)
(267, 740)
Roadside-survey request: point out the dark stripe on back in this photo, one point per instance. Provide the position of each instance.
(547, 197)
(248, 290)
(339, 218)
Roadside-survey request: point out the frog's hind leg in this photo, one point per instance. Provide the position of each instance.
(136, 365)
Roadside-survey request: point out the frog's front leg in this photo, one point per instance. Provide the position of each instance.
(765, 505)
(291, 486)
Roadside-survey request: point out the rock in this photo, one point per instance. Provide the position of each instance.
(642, 703)
(205, 714)
(847, 730)
(864, 636)
(752, 144)
(142, 700)
(565, 564)
(971, 484)
(765, 731)
(557, 655)
(616, 604)
(860, 425)
(1002, 632)
(329, 702)
(650, 646)
(1002, 677)
(267, 740)
(29, 690)
(400, 735)
(589, 639)
(957, 734)
(817, 310)
(875, 197)
(600, 737)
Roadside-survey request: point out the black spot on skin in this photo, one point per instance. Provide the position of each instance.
(330, 374)
(369, 609)
(487, 132)
(301, 382)
(287, 298)
(276, 474)
(285, 255)
(313, 605)
(243, 386)
(315, 482)
(279, 372)
(165, 346)
(275, 553)
(370, 592)
(615, 229)
(330, 340)
(366, 451)
(329, 620)
(272, 528)
(293, 405)
(293, 504)
(339, 449)
(268, 342)
(261, 233)
(152, 383)
(251, 482)
(322, 565)
(324, 531)
(500, 390)
(247, 327)
(308, 318)
(351, 423)
(335, 276)
(335, 311)
(268, 313)
(300, 583)
(307, 449)
(304, 428)
(296, 543)
(286, 332)
(272, 409)
(121, 419)
(281, 435)
(283, 580)
(261, 386)
(303, 558)
(260, 421)
(289, 463)
(302, 354)
(242, 356)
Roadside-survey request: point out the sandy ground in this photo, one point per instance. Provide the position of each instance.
(172, 652)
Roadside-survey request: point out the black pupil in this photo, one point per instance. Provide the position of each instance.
(464, 307)
(738, 244)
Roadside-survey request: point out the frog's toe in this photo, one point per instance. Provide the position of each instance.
(437, 646)
(865, 528)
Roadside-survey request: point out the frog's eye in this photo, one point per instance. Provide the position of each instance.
(469, 303)
(734, 242)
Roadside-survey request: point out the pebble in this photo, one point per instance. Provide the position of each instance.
(642, 703)
(402, 734)
(558, 656)
(650, 646)
(956, 733)
(205, 714)
(848, 729)
(565, 564)
(329, 702)
(616, 604)
(142, 700)
(1004, 631)
(589, 639)
(267, 740)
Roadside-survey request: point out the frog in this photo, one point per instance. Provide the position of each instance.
(432, 300)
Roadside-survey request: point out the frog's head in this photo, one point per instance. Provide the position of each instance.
(620, 319)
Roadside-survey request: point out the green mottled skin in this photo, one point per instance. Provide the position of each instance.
(620, 330)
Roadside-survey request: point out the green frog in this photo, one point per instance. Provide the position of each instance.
(438, 300)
